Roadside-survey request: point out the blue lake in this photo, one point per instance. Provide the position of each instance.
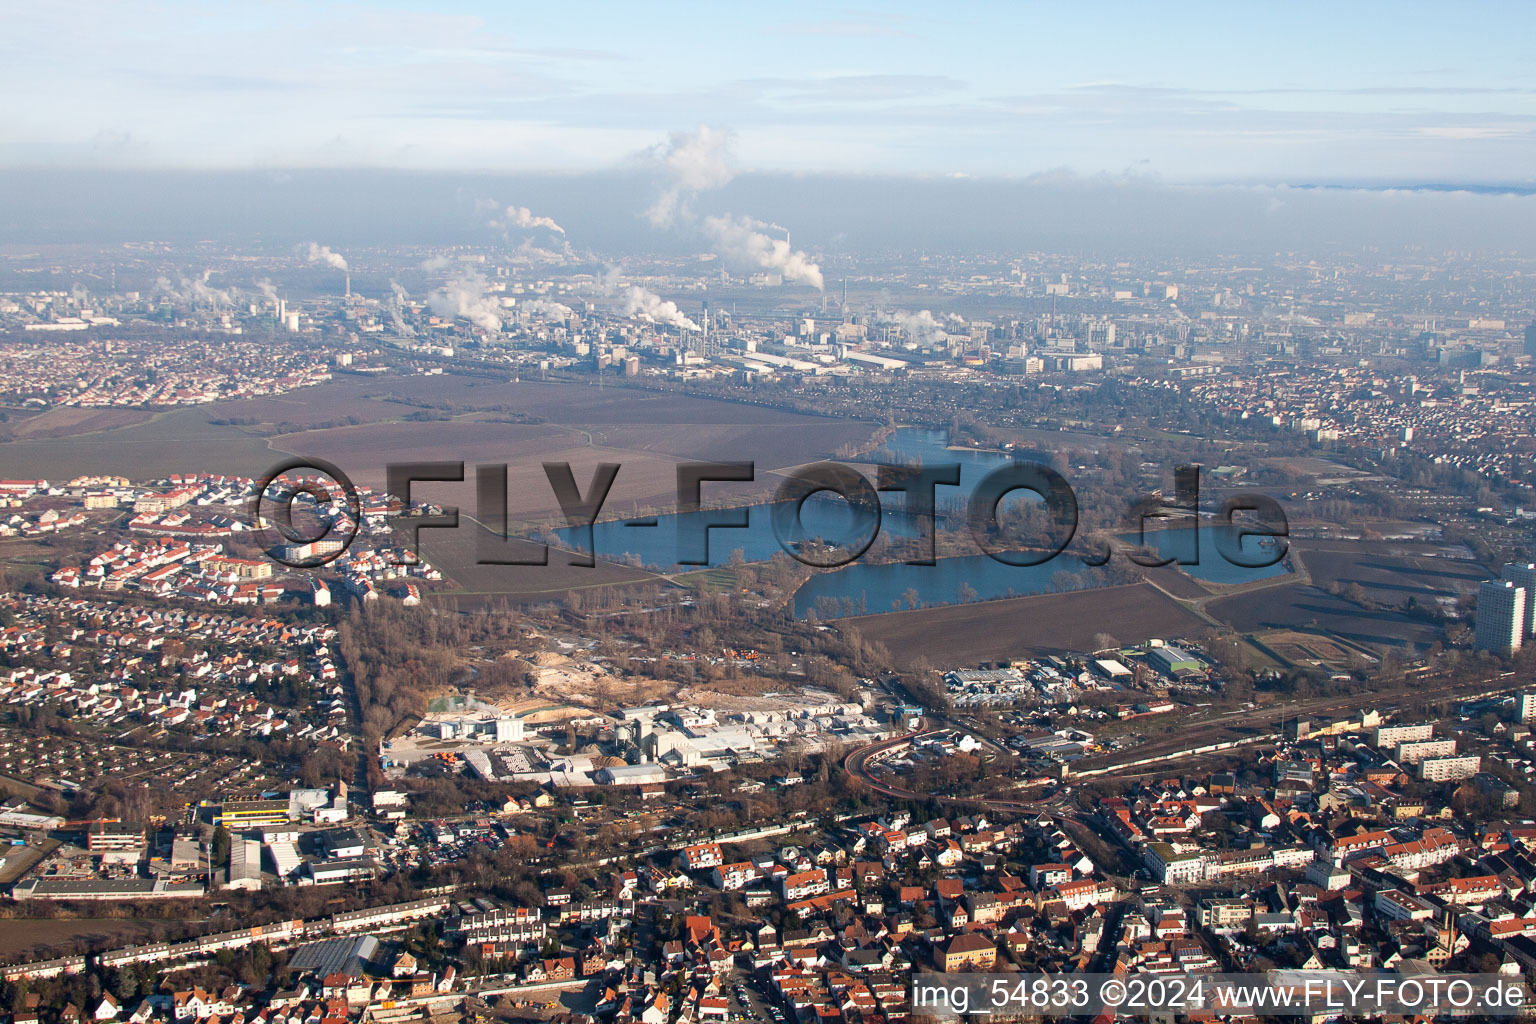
(869, 588)
(676, 542)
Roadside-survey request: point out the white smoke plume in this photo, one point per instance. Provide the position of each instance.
(203, 292)
(544, 254)
(693, 162)
(549, 308)
(195, 291)
(464, 298)
(920, 327)
(644, 304)
(698, 161)
(317, 253)
(266, 288)
(506, 219)
(395, 309)
(741, 241)
(432, 264)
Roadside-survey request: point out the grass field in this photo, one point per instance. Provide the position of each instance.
(178, 441)
(644, 480)
(1022, 627)
(646, 432)
(1388, 573)
(455, 552)
(25, 935)
(1176, 582)
(65, 422)
(712, 579)
(1312, 608)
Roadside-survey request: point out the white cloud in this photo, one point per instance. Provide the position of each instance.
(317, 253)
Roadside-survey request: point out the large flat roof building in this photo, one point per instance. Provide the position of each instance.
(107, 836)
(244, 864)
(104, 889)
(1172, 660)
(242, 814)
(347, 955)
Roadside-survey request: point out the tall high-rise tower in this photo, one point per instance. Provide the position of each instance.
(1524, 577)
(1500, 617)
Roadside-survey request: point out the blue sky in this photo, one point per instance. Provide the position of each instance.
(1191, 92)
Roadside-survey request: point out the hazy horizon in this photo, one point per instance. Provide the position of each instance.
(604, 212)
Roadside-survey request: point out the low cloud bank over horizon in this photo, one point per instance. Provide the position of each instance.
(831, 213)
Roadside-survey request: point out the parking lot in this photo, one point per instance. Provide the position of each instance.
(748, 1003)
